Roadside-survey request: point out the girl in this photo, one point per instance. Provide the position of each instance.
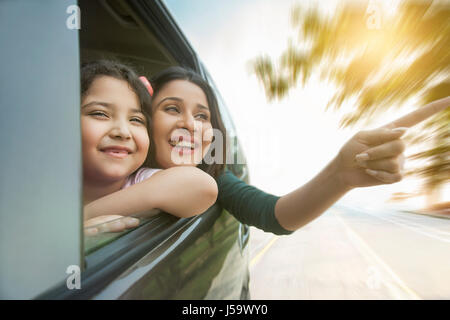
(184, 108)
(115, 143)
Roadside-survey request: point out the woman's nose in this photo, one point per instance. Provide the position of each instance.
(187, 122)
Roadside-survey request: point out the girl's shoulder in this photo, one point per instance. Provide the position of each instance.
(140, 175)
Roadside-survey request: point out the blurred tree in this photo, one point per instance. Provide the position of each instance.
(382, 61)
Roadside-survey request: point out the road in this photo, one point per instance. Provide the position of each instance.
(351, 253)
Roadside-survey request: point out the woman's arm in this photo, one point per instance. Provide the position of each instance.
(181, 191)
(306, 203)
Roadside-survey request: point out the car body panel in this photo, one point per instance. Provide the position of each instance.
(40, 185)
(194, 263)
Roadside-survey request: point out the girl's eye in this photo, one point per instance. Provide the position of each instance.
(139, 120)
(98, 113)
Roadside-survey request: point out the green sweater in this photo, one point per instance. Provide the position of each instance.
(248, 204)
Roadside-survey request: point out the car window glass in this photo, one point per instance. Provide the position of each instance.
(105, 35)
(238, 165)
(222, 106)
(99, 235)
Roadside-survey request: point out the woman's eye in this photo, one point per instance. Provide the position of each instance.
(203, 116)
(171, 108)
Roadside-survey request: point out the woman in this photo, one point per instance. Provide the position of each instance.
(183, 104)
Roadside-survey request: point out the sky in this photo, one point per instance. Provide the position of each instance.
(286, 142)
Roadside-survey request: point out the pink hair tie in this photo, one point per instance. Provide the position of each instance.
(147, 84)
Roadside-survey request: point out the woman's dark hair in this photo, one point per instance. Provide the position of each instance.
(91, 70)
(180, 73)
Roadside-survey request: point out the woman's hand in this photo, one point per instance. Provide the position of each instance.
(375, 157)
(109, 223)
(371, 158)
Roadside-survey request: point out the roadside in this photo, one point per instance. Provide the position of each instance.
(440, 210)
(437, 214)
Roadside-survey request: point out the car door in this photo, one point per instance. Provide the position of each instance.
(40, 185)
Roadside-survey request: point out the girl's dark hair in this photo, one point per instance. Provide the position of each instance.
(91, 70)
(180, 73)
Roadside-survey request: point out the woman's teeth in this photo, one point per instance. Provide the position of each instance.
(182, 144)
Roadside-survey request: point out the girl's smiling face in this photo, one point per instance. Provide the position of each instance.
(114, 133)
(181, 124)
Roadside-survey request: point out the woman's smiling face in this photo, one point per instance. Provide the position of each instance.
(181, 124)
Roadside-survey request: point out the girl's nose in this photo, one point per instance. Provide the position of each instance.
(120, 130)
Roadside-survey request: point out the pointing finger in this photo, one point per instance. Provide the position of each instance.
(380, 136)
(387, 150)
(421, 114)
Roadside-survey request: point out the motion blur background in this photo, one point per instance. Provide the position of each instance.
(300, 78)
(280, 64)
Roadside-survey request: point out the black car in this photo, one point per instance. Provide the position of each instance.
(44, 253)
